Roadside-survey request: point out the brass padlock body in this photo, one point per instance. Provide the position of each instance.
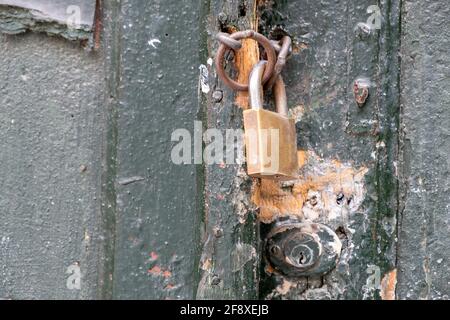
(259, 125)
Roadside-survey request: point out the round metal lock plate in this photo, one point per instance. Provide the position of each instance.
(301, 249)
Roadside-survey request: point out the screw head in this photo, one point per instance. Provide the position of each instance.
(222, 18)
(217, 96)
(218, 232)
(340, 198)
(361, 91)
(215, 281)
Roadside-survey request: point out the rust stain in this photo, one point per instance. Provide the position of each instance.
(156, 271)
(388, 285)
(167, 274)
(317, 178)
(98, 24)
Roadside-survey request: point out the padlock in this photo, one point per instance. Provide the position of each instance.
(270, 137)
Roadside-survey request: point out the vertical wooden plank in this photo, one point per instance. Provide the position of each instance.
(348, 178)
(51, 126)
(111, 33)
(230, 258)
(425, 144)
(158, 203)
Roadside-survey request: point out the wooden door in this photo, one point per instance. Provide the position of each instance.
(92, 207)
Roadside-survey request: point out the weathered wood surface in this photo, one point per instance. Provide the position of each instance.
(51, 128)
(87, 176)
(72, 19)
(231, 254)
(423, 255)
(350, 151)
(158, 203)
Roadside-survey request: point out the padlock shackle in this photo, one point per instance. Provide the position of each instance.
(255, 92)
(279, 92)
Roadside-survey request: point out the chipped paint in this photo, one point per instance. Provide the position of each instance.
(73, 19)
(285, 287)
(204, 79)
(373, 281)
(314, 195)
(241, 255)
(388, 285)
(155, 271)
(154, 256)
(297, 113)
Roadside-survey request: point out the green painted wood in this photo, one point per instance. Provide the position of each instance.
(230, 258)
(87, 176)
(51, 128)
(332, 54)
(423, 236)
(158, 204)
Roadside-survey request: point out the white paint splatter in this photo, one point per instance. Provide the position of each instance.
(153, 43)
(204, 79)
(241, 255)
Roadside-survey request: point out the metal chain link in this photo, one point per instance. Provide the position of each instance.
(277, 54)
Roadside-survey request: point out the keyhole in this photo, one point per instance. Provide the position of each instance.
(301, 258)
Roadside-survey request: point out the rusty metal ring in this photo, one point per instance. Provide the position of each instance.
(263, 41)
(284, 49)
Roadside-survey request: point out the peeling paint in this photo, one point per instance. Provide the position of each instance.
(204, 79)
(314, 195)
(388, 285)
(241, 255)
(297, 113)
(72, 19)
(285, 287)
